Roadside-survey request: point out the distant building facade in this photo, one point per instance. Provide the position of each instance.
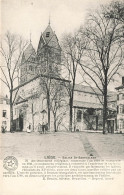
(112, 112)
(5, 112)
(88, 109)
(120, 107)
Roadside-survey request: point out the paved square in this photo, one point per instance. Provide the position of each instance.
(35, 145)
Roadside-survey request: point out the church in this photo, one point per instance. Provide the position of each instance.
(42, 92)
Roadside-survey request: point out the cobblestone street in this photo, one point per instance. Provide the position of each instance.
(35, 145)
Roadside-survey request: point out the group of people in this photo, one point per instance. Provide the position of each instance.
(42, 126)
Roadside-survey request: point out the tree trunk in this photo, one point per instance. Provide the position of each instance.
(55, 123)
(105, 107)
(11, 113)
(32, 117)
(71, 114)
(48, 107)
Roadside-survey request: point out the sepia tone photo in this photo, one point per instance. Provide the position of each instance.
(62, 94)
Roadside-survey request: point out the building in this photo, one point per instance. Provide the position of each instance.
(5, 112)
(41, 86)
(120, 107)
(112, 112)
(46, 60)
(88, 108)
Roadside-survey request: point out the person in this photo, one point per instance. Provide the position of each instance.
(39, 128)
(29, 128)
(3, 127)
(44, 124)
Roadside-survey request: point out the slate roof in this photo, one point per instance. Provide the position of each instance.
(29, 51)
(112, 96)
(81, 104)
(87, 89)
(120, 87)
(51, 33)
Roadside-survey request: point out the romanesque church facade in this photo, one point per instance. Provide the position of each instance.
(41, 91)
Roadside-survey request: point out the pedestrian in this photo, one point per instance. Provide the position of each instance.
(29, 128)
(40, 128)
(3, 127)
(44, 124)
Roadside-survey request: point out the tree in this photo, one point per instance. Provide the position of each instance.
(104, 52)
(58, 103)
(73, 48)
(11, 49)
(115, 11)
(52, 89)
(47, 69)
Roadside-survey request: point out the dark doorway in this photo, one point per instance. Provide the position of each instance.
(20, 122)
(110, 126)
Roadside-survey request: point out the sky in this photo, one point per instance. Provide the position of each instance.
(31, 17)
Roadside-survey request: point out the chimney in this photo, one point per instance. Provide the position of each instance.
(122, 80)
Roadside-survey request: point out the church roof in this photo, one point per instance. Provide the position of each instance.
(29, 51)
(87, 89)
(48, 33)
(48, 37)
(81, 104)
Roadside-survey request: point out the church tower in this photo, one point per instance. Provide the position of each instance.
(27, 69)
(47, 59)
(49, 53)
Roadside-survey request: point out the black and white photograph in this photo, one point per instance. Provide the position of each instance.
(62, 97)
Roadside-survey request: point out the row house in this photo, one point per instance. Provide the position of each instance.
(5, 112)
(120, 107)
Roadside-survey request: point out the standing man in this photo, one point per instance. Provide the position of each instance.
(44, 122)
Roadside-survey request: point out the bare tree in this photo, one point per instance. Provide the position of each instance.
(11, 49)
(73, 49)
(48, 68)
(104, 53)
(115, 10)
(44, 67)
(58, 103)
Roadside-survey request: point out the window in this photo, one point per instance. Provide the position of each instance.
(30, 68)
(121, 96)
(47, 34)
(121, 109)
(79, 115)
(121, 122)
(4, 113)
